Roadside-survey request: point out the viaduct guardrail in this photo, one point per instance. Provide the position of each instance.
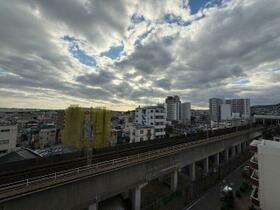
(28, 186)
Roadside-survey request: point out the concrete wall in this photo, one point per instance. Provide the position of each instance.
(82, 193)
(269, 173)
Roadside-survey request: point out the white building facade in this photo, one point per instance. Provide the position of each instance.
(173, 105)
(8, 138)
(241, 106)
(215, 109)
(225, 112)
(139, 133)
(265, 175)
(185, 112)
(154, 116)
(47, 136)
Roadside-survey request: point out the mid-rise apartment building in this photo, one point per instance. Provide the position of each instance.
(152, 116)
(8, 138)
(229, 109)
(173, 105)
(47, 136)
(215, 109)
(139, 133)
(241, 106)
(185, 112)
(265, 174)
(225, 112)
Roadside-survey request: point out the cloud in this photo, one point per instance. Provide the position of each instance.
(123, 53)
(147, 59)
(96, 79)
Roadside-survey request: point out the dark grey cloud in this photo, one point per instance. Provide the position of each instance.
(163, 83)
(96, 79)
(149, 58)
(202, 60)
(96, 20)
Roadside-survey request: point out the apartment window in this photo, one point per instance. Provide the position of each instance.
(152, 123)
(152, 111)
(141, 139)
(141, 131)
(4, 142)
(159, 117)
(5, 130)
(152, 117)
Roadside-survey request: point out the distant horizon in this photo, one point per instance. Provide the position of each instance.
(193, 108)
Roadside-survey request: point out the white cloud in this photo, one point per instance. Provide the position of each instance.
(239, 40)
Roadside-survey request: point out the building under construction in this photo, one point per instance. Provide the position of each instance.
(87, 127)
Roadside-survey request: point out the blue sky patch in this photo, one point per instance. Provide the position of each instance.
(3, 72)
(243, 82)
(70, 38)
(276, 69)
(196, 5)
(173, 19)
(78, 53)
(137, 18)
(114, 52)
(141, 37)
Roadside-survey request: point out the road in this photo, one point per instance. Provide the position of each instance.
(211, 200)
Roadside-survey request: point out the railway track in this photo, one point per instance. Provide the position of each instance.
(104, 155)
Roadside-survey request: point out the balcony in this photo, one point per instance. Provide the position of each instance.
(254, 162)
(246, 173)
(254, 146)
(255, 178)
(159, 126)
(160, 133)
(255, 198)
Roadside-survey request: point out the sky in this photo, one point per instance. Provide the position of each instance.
(123, 53)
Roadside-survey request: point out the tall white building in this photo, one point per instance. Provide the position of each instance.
(173, 105)
(225, 112)
(240, 106)
(152, 116)
(265, 175)
(185, 112)
(8, 138)
(215, 109)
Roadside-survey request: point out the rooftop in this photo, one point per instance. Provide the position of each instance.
(20, 154)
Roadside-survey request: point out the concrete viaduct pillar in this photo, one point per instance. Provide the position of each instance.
(217, 159)
(192, 171)
(226, 154)
(242, 146)
(93, 206)
(136, 197)
(239, 148)
(246, 145)
(206, 165)
(174, 180)
(233, 151)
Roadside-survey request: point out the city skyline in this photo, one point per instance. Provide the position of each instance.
(121, 54)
